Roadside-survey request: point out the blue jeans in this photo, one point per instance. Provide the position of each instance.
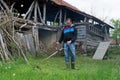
(69, 51)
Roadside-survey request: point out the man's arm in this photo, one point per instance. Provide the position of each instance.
(75, 35)
(61, 37)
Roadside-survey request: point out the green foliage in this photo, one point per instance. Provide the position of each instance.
(114, 50)
(116, 32)
(55, 24)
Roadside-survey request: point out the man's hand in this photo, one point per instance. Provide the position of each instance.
(57, 43)
(69, 42)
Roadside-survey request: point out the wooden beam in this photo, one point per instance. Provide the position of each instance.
(35, 31)
(93, 21)
(56, 16)
(44, 12)
(60, 18)
(35, 39)
(106, 35)
(39, 13)
(35, 11)
(30, 13)
(85, 19)
(29, 10)
(65, 16)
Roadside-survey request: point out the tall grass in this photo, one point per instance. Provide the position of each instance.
(54, 69)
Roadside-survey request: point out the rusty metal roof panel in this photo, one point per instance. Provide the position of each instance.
(64, 3)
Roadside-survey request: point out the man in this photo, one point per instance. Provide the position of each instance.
(68, 36)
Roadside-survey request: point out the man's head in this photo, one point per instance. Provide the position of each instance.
(68, 22)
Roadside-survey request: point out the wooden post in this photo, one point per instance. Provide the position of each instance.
(106, 35)
(36, 39)
(85, 44)
(85, 19)
(29, 10)
(60, 18)
(65, 16)
(33, 35)
(56, 16)
(44, 12)
(35, 31)
(39, 13)
(30, 13)
(93, 21)
(35, 11)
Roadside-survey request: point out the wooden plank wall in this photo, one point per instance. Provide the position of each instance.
(28, 41)
(89, 37)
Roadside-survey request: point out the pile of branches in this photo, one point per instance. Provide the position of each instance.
(9, 43)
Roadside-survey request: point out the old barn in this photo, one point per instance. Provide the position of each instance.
(50, 16)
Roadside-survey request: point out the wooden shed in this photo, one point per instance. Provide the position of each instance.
(91, 30)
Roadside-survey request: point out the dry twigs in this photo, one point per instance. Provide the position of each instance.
(10, 46)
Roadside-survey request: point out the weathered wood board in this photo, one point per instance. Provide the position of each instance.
(101, 50)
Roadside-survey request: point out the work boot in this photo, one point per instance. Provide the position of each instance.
(67, 65)
(72, 65)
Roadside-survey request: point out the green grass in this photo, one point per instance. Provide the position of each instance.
(53, 69)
